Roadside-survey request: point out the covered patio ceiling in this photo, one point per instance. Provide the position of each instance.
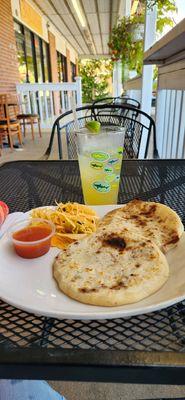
(85, 24)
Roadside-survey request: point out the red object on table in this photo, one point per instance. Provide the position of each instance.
(4, 211)
(24, 238)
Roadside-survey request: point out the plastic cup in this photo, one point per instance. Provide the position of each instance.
(100, 158)
(34, 237)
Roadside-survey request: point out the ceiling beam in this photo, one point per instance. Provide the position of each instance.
(110, 20)
(77, 24)
(93, 56)
(56, 26)
(88, 26)
(60, 16)
(98, 15)
(124, 8)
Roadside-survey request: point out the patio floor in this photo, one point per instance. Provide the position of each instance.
(31, 150)
(116, 391)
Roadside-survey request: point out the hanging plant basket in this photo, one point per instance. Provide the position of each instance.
(128, 32)
(137, 31)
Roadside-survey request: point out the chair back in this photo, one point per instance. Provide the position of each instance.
(123, 100)
(8, 107)
(138, 129)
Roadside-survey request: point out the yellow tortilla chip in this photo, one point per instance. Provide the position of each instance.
(63, 240)
(61, 243)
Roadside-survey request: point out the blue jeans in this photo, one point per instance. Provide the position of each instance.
(16, 389)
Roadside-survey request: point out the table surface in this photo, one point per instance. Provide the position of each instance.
(142, 349)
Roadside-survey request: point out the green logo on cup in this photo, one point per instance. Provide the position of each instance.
(120, 150)
(108, 170)
(96, 165)
(102, 187)
(100, 156)
(113, 161)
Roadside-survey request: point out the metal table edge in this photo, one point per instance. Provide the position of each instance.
(84, 365)
(143, 160)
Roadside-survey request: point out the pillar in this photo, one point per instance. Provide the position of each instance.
(117, 79)
(76, 62)
(9, 72)
(68, 65)
(147, 74)
(54, 70)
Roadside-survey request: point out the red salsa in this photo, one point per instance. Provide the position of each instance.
(32, 234)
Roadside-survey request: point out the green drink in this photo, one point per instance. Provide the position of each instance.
(100, 158)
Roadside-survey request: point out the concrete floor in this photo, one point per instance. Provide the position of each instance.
(115, 391)
(80, 390)
(31, 150)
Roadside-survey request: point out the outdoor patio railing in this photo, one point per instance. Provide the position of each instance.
(48, 99)
(170, 113)
(169, 54)
(133, 88)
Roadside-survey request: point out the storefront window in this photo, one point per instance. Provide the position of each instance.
(62, 67)
(47, 75)
(21, 54)
(59, 64)
(73, 71)
(33, 56)
(30, 56)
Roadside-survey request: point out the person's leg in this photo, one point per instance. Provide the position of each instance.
(16, 389)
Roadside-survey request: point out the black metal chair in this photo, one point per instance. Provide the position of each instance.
(136, 129)
(123, 100)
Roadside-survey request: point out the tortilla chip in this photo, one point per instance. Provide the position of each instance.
(63, 240)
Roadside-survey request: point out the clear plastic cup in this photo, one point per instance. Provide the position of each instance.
(31, 237)
(100, 158)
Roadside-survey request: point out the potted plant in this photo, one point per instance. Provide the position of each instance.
(126, 42)
(136, 26)
(121, 41)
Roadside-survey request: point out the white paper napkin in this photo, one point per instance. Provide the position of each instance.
(10, 220)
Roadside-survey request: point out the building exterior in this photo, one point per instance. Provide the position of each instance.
(32, 50)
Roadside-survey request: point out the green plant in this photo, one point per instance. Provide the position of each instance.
(95, 74)
(122, 44)
(170, 4)
(163, 8)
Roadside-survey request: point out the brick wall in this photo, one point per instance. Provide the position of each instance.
(9, 74)
(68, 65)
(77, 71)
(54, 69)
(53, 57)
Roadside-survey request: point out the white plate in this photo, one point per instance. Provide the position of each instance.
(29, 285)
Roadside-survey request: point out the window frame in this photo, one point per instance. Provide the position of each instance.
(42, 42)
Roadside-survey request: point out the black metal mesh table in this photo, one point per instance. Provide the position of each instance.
(144, 349)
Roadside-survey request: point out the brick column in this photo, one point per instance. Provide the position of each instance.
(76, 61)
(53, 57)
(9, 73)
(68, 65)
(54, 69)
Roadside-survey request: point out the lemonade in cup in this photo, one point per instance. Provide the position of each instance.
(100, 157)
